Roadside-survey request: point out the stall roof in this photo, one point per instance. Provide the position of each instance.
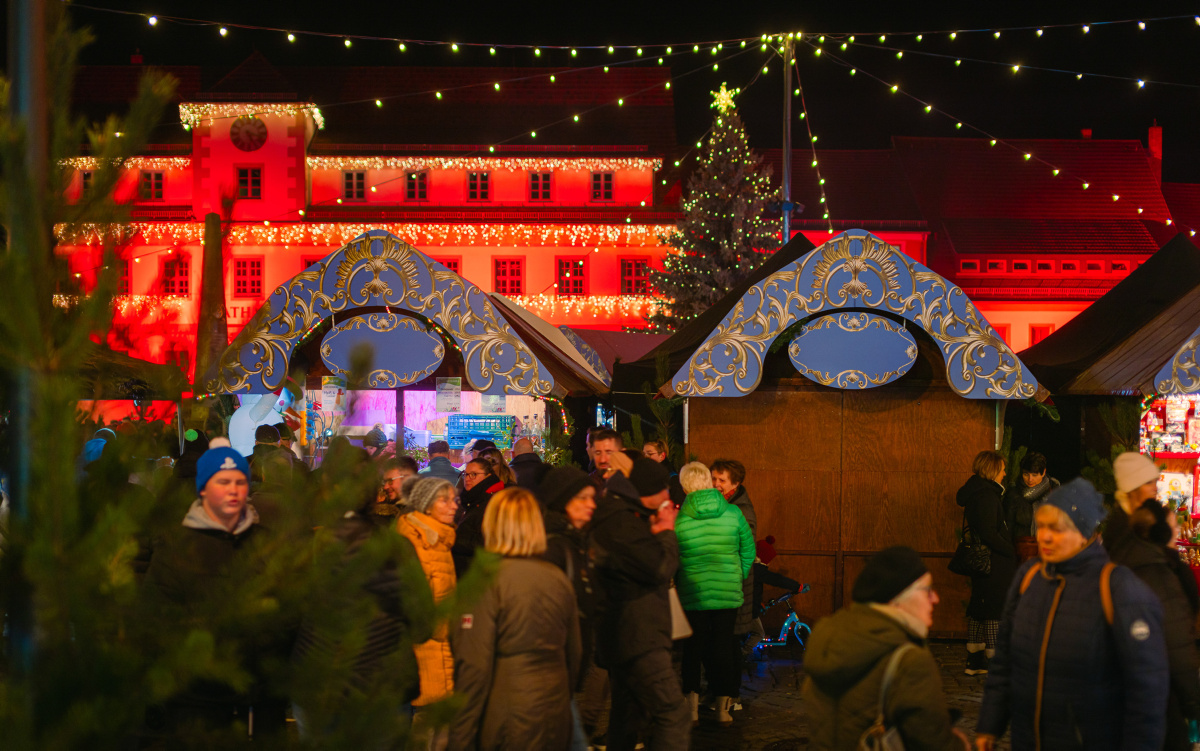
(108, 374)
(680, 345)
(619, 346)
(572, 373)
(1120, 342)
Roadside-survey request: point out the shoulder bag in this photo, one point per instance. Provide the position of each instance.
(879, 737)
(972, 557)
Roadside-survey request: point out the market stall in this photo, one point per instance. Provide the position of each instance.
(434, 356)
(856, 386)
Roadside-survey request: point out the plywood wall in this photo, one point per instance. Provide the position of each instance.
(836, 475)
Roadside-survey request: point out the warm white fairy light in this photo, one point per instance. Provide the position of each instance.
(596, 306)
(192, 114)
(514, 164)
(337, 234)
(133, 162)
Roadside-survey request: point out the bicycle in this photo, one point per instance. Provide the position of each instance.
(793, 633)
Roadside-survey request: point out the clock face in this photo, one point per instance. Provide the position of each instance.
(248, 133)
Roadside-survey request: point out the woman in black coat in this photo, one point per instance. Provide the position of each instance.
(982, 498)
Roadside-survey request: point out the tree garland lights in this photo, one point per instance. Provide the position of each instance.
(723, 236)
(192, 114)
(512, 164)
(338, 234)
(133, 162)
(628, 306)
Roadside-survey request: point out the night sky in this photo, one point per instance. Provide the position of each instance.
(844, 111)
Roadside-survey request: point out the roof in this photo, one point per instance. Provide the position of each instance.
(1119, 342)
(680, 345)
(571, 371)
(861, 186)
(619, 346)
(1184, 201)
(1035, 236)
(971, 179)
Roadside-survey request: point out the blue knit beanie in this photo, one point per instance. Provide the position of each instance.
(217, 459)
(1081, 502)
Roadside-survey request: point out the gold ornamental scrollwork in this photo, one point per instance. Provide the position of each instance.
(858, 270)
(1182, 374)
(395, 276)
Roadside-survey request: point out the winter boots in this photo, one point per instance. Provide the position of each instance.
(694, 706)
(977, 659)
(724, 703)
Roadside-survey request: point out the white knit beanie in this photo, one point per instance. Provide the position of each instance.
(426, 491)
(1133, 471)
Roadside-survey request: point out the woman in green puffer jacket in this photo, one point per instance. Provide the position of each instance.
(716, 552)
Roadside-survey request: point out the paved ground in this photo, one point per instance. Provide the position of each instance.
(772, 717)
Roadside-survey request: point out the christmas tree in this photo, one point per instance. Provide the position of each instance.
(723, 236)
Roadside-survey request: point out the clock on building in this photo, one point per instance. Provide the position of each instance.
(248, 133)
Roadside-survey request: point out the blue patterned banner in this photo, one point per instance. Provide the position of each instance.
(853, 350)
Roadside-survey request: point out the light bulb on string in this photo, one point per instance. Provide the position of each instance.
(347, 42)
(291, 37)
(152, 20)
(223, 31)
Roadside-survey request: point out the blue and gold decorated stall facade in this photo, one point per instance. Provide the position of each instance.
(856, 386)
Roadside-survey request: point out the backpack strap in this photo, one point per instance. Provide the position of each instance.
(889, 675)
(1106, 591)
(1032, 572)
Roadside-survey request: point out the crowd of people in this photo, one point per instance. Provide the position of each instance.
(559, 599)
(1088, 643)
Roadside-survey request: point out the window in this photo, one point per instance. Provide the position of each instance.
(247, 277)
(1039, 331)
(539, 186)
(150, 188)
(123, 278)
(354, 185)
(310, 260)
(1045, 265)
(635, 276)
(968, 265)
(416, 186)
(1095, 266)
(249, 182)
(86, 181)
(1119, 267)
(1001, 330)
(477, 186)
(1022, 266)
(510, 276)
(450, 263)
(570, 276)
(1070, 266)
(998, 266)
(602, 186)
(175, 277)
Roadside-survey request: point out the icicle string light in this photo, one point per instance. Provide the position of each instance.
(193, 114)
(513, 164)
(133, 162)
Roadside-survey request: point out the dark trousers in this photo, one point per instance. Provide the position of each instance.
(711, 632)
(645, 690)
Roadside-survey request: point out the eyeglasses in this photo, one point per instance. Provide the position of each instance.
(474, 474)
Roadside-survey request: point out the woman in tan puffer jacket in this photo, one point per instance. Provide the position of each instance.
(430, 529)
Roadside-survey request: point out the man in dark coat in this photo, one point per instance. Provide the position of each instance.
(1140, 540)
(633, 541)
(1064, 676)
(439, 463)
(527, 465)
(197, 571)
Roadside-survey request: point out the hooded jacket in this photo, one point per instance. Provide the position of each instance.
(846, 658)
(634, 568)
(716, 552)
(1093, 686)
(1167, 576)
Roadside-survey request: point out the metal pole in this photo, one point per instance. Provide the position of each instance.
(27, 68)
(786, 179)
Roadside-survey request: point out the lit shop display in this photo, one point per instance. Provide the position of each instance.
(1170, 434)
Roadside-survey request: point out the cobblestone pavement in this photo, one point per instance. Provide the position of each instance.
(772, 718)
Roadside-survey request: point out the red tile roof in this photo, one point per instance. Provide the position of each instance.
(864, 185)
(969, 178)
(1184, 200)
(1006, 237)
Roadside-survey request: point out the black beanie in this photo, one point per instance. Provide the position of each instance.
(649, 477)
(266, 434)
(888, 573)
(560, 485)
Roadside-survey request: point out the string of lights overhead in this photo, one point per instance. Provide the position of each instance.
(1056, 170)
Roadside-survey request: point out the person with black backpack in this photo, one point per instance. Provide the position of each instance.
(1081, 658)
(871, 679)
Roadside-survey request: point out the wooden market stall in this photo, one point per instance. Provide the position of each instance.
(416, 323)
(856, 386)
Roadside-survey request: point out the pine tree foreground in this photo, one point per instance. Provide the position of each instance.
(723, 236)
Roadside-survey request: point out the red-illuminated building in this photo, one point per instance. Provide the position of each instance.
(567, 222)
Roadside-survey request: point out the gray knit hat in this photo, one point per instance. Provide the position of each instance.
(426, 492)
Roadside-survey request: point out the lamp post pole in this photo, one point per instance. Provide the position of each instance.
(786, 177)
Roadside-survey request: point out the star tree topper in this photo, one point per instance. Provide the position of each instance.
(723, 99)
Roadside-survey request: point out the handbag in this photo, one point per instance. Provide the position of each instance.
(879, 737)
(680, 628)
(972, 557)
